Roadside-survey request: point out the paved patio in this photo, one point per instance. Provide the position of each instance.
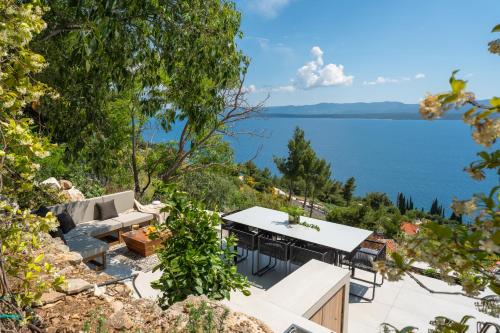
(399, 303)
(402, 303)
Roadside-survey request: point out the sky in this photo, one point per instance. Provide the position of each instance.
(316, 51)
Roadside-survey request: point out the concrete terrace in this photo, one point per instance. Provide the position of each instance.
(402, 303)
(399, 303)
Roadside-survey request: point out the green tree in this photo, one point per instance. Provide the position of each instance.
(321, 176)
(23, 277)
(310, 164)
(192, 260)
(348, 189)
(436, 208)
(117, 63)
(292, 166)
(469, 251)
(403, 203)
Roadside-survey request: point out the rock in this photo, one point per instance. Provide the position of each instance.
(65, 271)
(61, 248)
(116, 306)
(99, 291)
(65, 184)
(72, 258)
(73, 194)
(120, 320)
(73, 286)
(51, 182)
(51, 297)
(122, 289)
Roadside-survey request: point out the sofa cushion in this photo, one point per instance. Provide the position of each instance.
(107, 209)
(77, 232)
(87, 246)
(80, 211)
(66, 222)
(123, 200)
(131, 218)
(97, 227)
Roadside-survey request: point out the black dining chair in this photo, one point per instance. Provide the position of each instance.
(274, 247)
(363, 258)
(302, 252)
(247, 241)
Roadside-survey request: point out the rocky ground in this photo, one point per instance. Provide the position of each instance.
(81, 305)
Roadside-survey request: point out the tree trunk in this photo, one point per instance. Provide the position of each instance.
(290, 191)
(305, 197)
(312, 204)
(137, 186)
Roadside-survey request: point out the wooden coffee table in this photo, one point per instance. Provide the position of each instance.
(137, 241)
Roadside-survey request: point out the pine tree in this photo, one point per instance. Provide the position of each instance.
(292, 166)
(348, 190)
(436, 208)
(320, 180)
(401, 203)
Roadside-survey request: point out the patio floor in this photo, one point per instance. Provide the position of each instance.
(402, 303)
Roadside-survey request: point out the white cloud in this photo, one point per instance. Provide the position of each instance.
(315, 74)
(381, 80)
(268, 8)
(250, 89)
(384, 80)
(287, 88)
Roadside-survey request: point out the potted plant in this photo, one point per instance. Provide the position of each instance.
(294, 214)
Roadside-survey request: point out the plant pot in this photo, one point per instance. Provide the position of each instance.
(293, 219)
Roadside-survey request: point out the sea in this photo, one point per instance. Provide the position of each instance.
(422, 159)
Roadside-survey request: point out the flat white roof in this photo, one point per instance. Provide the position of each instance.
(333, 235)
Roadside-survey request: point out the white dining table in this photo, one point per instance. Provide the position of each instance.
(333, 235)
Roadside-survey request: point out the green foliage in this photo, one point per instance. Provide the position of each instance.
(293, 210)
(215, 190)
(118, 63)
(292, 166)
(97, 324)
(192, 260)
(388, 328)
(373, 212)
(403, 203)
(202, 319)
(445, 325)
(348, 189)
(23, 275)
(436, 208)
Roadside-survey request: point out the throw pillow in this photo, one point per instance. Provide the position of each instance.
(41, 211)
(107, 210)
(66, 222)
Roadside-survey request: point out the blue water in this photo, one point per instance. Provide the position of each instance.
(422, 159)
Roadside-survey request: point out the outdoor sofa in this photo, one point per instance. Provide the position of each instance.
(87, 238)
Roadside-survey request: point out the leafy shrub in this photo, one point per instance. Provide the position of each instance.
(192, 259)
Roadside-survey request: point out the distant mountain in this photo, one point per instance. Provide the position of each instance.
(375, 110)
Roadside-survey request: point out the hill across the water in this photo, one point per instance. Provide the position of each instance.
(374, 110)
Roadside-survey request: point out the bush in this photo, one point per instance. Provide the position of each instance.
(192, 260)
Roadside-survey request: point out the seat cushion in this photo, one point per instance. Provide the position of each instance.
(87, 246)
(97, 227)
(131, 218)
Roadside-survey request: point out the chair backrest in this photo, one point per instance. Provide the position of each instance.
(84, 211)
